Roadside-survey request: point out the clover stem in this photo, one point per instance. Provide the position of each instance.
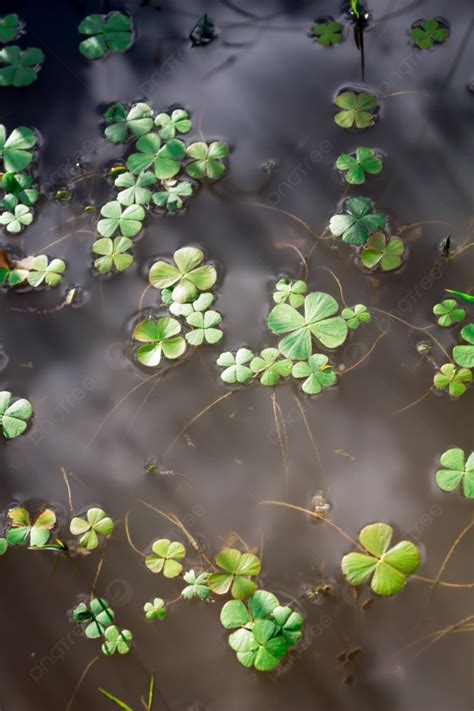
(308, 429)
(282, 435)
(284, 212)
(442, 583)
(68, 487)
(437, 636)
(144, 292)
(144, 402)
(62, 239)
(129, 538)
(415, 328)
(83, 676)
(304, 263)
(414, 403)
(338, 282)
(96, 577)
(367, 355)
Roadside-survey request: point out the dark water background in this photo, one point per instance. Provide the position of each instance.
(265, 87)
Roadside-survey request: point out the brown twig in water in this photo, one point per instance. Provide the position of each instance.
(337, 280)
(83, 676)
(62, 239)
(442, 583)
(96, 577)
(367, 355)
(304, 263)
(446, 560)
(415, 328)
(129, 538)
(414, 403)
(440, 634)
(69, 494)
(282, 435)
(308, 429)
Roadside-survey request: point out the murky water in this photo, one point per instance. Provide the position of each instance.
(267, 89)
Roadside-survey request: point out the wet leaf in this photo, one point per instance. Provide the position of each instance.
(187, 278)
(456, 470)
(106, 33)
(358, 223)
(138, 121)
(292, 292)
(355, 167)
(114, 254)
(208, 160)
(453, 379)
(428, 33)
(357, 109)
(165, 558)
(14, 415)
(380, 251)
(116, 641)
(448, 312)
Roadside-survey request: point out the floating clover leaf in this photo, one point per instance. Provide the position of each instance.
(9, 28)
(21, 68)
(161, 339)
(264, 630)
(187, 278)
(21, 527)
(96, 523)
(449, 313)
(357, 109)
(116, 641)
(270, 367)
(464, 355)
(14, 150)
(380, 251)
(208, 159)
(138, 121)
(327, 33)
(14, 416)
(237, 569)
(136, 190)
(358, 222)
(456, 469)
(114, 254)
(236, 370)
(98, 614)
(155, 610)
(197, 586)
(318, 321)
(291, 291)
(318, 372)
(453, 379)
(106, 33)
(17, 189)
(128, 221)
(169, 126)
(168, 159)
(171, 198)
(202, 303)
(389, 566)
(356, 316)
(165, 558)
(148, 147)
(204, 327)
(355, 168)
(44, 271)
(17, 220)
(428, 33)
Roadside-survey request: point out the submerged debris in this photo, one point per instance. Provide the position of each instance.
(320, 504)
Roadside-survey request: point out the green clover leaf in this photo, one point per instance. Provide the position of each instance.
(21, 67)
(464, 355)
(453, 379)
(197, 585)
(207, 159)
(138, 121)
(356, 225)
(187, 278)
(449, 313)
(318, 321)
(114, 254)
(44, 271)
(17, 220)
(235, 571)
(355, 167)
(356, 316)
(389, 566)
(135, 188)
(236, 370)
(380, 251)
(15, 150)
(291, 291)
(171, 198)
(318, 372)
(270, 367)
(429, 33)
(327, 33)
(96, 524)
(14, 416)
(17, 190)
(155, 610)
(357, 109)
(170, 125)
(456, 469)
(165, 558)
(204, 324)
(106, 33)
(128, 221)
(98, 615)
(116, 641)
(21, 527)
(9, 28)
(161, 339)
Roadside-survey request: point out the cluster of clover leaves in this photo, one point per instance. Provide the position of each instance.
(300, 319)
(110, 33)
(88, 530)
(18, 191)
(161, 173)
(263, 629)
(97, 618)
(18, 67)
(185, 290)
(455, 376)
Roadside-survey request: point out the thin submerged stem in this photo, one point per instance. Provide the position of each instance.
(304, 263)
(412, 326)
(68, 487)
(367, 355)
(129, 538)
(414, 403)
(308, 429)
(282, 435)
(338, 282)
(83, 676)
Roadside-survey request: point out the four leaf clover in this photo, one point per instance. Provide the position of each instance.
(96, 523)
(318, 321)
(270, 367)
(106, 33)
(356, 316)
(138, 121)
(98, 615)
(13, 416)
(170, 125)
(17, 220)
(207, 159)
(236, 368)
(44, 271)
(318, 372)
(161, 338)
(128, 221)
(357, 109)
(22, 528)
(204, 326)
(428, 33)
(464, 355)
(456, 469)
(327, 33)
(165, 558)
(448, 313)
(379, 251)
(187, 278)
(389, 566)
(116, 641)
(113, 254)
(453, 379)
(19, 68)
(155, 610)
(235, 571)
(355, 167)
(197, 585)
(356, 225)
(291, 291)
